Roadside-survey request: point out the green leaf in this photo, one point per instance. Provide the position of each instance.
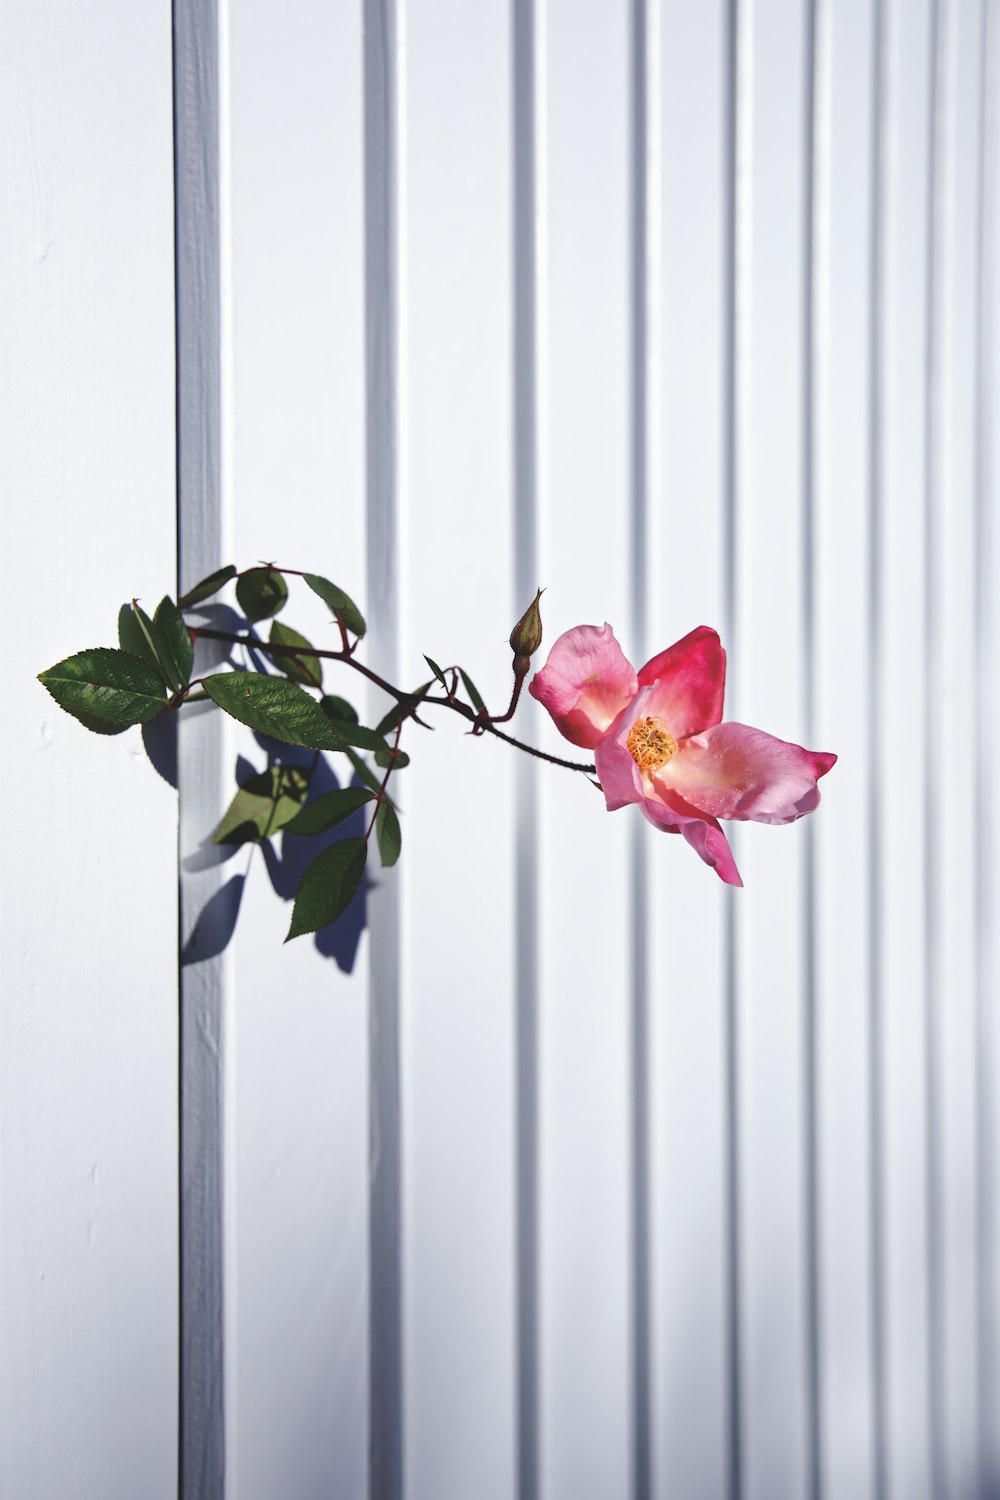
(261, 593)
(388, 724)
(274, 706)
(437, 671)
(111, 686)
(305, 669)
(173, 643)
(328, 886)
(342, 605)
(403, 709)
(135, 635)
(365, 773)
(98, 726)
(329, 810)
(339, 709)
(154, 645)
(388, 834)
(388, 757)
(263, 804)
(207, 587)
(473, 692)
(357, 734)
(162, 641)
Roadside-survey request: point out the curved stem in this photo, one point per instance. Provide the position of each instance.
(385, 779)
(484, 724)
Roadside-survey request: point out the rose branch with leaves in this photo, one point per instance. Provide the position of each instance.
(657, 734)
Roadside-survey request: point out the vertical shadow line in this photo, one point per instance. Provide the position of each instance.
(644, 170)
(197, 105)
(813, 187)
(932, 436)
(528, 20)
(985, 1082)
(384, 110)
(876, 687)
(735, 66)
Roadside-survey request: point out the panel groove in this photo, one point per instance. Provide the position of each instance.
(932, 937)
(528, 249)
(644, 172)
(206, 1332)
(874, 606)
(384, 59)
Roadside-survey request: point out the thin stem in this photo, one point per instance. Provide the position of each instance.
(553, 760)
(272, 649)
(385, 779)
(515, 695)
(481, 723)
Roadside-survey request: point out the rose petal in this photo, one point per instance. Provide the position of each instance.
(691, 679)
(733, 771)
(620, 777)
(703, 834)
(585, 683)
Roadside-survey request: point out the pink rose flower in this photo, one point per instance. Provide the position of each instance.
(658, 739)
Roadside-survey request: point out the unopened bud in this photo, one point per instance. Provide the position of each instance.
(526, 637)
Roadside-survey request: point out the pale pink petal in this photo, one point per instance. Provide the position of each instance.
(733, 771)
(708, 840)
(585, 683)
(620, 777)
(691, 681)
(703, 834)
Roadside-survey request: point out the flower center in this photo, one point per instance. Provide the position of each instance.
(649, 744)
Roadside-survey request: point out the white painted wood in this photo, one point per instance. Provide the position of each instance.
(846, 407)
(88, 1038)
(988, 723)
(953, 688)
(458, 961)
(299, 1013)
(688, 968)
(541, 1184)
(586, 968)
(768, 666)
(901, 696)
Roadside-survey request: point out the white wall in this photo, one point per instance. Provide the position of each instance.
(88, 1027)
(578, 1174)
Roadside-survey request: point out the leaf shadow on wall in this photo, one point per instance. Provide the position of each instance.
(216, 923)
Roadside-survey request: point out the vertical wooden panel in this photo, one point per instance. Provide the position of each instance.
(586, 1440)
(901, 694)
(848, 117)
(988, 723)
(686, 587)
(952, 689)
(88, 1034)
(987, 800)
(300, 1148)
(207, 899)
(767, 672)
(458, 963)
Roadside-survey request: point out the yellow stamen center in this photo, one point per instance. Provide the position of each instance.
(649, 744)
